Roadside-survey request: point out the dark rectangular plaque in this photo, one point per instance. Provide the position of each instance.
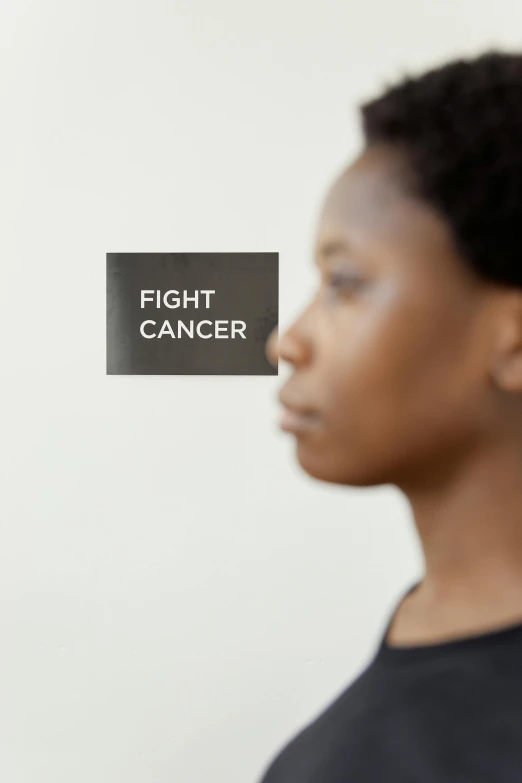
(191, 313)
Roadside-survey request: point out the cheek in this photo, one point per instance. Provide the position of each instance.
(393, 394)
(393, 368)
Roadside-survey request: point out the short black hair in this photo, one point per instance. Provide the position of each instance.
(460, 127)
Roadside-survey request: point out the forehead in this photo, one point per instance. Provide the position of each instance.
(371, 210)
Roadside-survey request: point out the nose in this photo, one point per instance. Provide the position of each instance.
(272, 347)
(294, 346)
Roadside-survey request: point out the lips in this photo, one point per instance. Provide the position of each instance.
(296, 416)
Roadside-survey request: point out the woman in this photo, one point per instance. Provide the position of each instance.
(407, 370)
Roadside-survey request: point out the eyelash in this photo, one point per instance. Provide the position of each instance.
(344, 282)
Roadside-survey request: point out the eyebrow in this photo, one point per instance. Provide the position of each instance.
(330, 248)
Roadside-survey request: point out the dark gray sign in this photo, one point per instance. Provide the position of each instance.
(191, 313)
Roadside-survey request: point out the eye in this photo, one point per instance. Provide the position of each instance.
(344, 282)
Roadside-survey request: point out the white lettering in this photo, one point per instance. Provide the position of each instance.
(176, 300)
(166, 328)
(205, 336)
(145, 298)
(148, 336)
(240, 329)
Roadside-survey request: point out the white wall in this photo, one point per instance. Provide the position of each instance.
(152, 632)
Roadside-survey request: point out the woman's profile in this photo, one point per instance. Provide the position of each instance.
(407, 370)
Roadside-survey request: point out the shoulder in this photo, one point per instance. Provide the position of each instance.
(307, 749)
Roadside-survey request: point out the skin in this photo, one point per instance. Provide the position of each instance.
(407, 370)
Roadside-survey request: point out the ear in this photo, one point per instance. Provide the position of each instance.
(507, 364)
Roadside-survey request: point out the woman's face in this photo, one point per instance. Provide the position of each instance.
(389, 358)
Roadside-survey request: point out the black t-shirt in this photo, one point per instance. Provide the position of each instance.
(442, 713)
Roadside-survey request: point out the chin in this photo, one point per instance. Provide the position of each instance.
(329, 469)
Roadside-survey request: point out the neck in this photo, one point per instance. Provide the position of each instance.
(470, 529)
